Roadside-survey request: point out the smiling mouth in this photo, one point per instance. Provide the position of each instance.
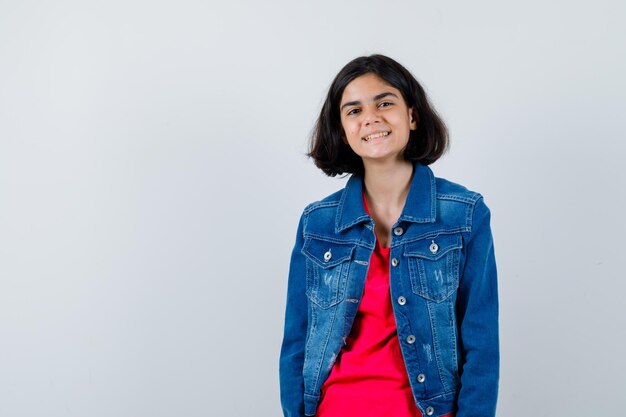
(375, 136)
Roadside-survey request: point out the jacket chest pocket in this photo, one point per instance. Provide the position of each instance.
(327, 268)
(434, 266)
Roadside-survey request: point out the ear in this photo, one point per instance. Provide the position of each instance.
(413, 119)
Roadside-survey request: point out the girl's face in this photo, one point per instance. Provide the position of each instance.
(375, 119)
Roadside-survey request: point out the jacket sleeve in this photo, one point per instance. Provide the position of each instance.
(293, 345)
(477, 314)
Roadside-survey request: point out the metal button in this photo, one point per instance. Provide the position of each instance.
(430, 411)
(327, 256)
(398, 231)
(410, 339)
(395, 262)
(401, 300)
(434, 247)
(421, 378)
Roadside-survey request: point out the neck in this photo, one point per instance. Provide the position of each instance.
(387, 185)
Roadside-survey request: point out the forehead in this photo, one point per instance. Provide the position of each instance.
(366, 87)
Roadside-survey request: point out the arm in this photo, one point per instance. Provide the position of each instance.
(477, 313)
(296, 318)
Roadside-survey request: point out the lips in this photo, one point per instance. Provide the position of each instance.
(375, 135)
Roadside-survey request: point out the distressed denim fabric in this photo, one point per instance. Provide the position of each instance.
(443, 287)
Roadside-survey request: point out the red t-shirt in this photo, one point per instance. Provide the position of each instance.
(369, 377)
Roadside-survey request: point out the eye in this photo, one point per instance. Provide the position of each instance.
(385, 104)
(353, 111)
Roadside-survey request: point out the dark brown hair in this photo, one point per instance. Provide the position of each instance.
(426, 144)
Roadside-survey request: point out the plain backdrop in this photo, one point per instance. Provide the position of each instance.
(153, 170)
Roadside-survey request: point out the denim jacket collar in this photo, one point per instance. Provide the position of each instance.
(419, 206)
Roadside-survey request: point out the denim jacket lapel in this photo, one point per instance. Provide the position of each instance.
(419, 207)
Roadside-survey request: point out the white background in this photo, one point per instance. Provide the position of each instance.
(152, 173)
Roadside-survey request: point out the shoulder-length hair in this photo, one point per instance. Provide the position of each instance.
(333, 156)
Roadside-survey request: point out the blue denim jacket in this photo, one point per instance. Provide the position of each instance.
(443, 289)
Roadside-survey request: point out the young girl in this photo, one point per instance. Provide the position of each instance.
(392, 305)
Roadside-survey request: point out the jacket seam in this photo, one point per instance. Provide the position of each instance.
(430, 234)
(324, 349)
(456, 197)
(320, 204)
(436, 344)
(326, 238)
(470, 214)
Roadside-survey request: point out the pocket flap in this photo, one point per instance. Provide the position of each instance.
(433, 248)
(327, 254)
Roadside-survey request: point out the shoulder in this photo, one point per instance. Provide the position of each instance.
(459, 201)
(336, 212)
(330, 202)
(448, 190)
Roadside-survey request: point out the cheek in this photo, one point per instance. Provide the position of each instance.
(350, 129)
(354, 131)
(400, 120)
(404, 123)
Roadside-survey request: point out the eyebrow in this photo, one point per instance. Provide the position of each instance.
(376, 98)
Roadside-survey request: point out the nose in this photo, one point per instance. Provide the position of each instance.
(370, 115)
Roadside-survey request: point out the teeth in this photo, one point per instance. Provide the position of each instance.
(376, 135)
